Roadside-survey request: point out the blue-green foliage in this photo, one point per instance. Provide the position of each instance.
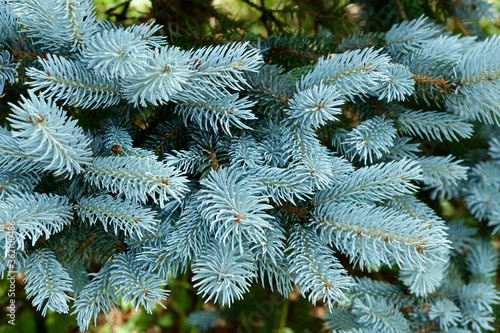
(314, 271)
(47, 280)
(68, 80)
(222, 267)
(241, 172)
(50, 213)
(130, 218)
(7, 70)
(370, 139)
(203, 320)
(52, 140)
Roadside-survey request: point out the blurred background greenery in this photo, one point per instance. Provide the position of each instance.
(190, 23)
(204, 20)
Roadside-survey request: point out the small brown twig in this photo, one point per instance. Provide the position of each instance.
(401, 10)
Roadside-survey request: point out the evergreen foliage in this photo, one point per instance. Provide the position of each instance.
(219, 162)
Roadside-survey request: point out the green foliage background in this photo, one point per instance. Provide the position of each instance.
(198, 22)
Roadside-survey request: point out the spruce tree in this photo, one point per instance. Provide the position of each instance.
(147, 160)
